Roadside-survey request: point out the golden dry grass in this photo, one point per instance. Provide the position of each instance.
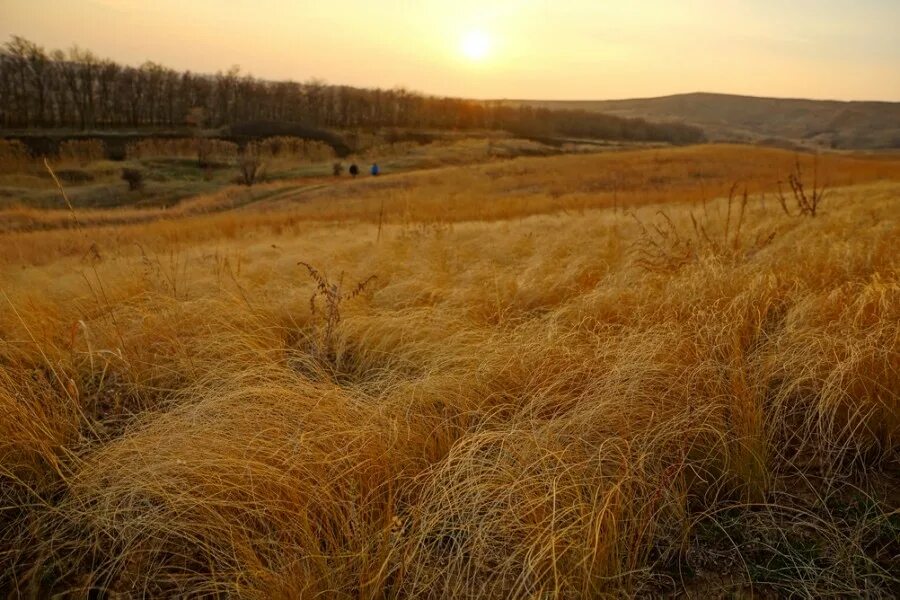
(517, 406)
(515, 188)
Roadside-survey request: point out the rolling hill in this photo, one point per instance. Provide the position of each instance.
(776, 121)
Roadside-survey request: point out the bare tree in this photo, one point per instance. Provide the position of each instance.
(76, 88)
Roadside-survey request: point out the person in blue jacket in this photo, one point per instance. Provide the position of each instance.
(375, 170)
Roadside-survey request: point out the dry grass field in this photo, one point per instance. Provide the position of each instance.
(559, 377)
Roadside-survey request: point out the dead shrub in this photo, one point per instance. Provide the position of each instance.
(134, 178)
(250, 166)
(806, 200)
(323, 343)
(664, 246)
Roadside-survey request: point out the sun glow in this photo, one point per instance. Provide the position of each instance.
(475, 45)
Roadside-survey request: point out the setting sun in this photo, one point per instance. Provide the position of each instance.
(475, 45)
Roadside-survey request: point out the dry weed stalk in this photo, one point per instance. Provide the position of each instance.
(334, 295)
(807, 201)
(664, 247)
(62, 191)
(93, 251)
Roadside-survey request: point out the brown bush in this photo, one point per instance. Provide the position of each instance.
(134, 178)
(250, 165)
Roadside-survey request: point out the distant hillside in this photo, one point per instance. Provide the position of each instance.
(821, 123)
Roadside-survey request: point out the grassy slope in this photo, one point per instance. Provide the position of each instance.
(169, 180)
(515, 188)
(558, 403)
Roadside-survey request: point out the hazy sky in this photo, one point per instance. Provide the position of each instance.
(560, 49)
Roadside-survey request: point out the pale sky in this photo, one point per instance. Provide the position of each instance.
(535, 49)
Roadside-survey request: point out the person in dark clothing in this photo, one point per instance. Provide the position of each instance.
(375, 170)
(354, 170)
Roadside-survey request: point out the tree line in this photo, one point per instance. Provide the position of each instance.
(77, 89)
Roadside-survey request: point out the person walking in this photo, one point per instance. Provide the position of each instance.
(354, 170)
(375, 170)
